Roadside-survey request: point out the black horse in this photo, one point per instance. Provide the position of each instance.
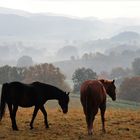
(27, 95)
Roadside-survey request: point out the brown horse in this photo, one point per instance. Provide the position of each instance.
(93, 96)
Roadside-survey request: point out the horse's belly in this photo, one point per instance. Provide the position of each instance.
(26, 103)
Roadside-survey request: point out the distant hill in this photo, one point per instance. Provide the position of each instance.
(22, 24)
(43, 36)
(16, 23)
(126, 36)
(126, 40)
(123, 48)
(13, 11)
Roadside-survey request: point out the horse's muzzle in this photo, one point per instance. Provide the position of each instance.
(114, 99)
(65, 111)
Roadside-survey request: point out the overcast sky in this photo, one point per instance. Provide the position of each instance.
(78, 8)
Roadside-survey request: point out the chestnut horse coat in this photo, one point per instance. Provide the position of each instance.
(93, 95)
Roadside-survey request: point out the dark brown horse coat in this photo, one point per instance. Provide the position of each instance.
(93, 96)
(36, 94)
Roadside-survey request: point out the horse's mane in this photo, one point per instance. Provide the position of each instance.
(105, 81)
(44, 84)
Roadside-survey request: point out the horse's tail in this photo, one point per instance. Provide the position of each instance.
(3, 100)
(89, 103)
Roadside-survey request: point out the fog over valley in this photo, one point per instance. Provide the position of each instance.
(53, 38)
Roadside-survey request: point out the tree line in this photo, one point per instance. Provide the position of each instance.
(127, 80)
(46, 73)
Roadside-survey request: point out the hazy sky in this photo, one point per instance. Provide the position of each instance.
(78, 8)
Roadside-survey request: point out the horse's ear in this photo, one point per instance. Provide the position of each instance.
(68, 93)
(113, 81)
(102, 80)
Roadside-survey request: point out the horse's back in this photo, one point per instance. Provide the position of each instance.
(45, 88)
(93, 91)
(21, 94)
(20, 88)
(94, 85)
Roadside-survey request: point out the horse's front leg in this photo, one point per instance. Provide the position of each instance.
(45, 116)
(33, 117)
(103, 108)
(13, 116)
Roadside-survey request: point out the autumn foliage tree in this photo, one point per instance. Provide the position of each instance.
(46, 73)
(130, 89)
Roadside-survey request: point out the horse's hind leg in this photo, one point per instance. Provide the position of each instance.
(103, 108)
(10, 112)
(45, 116)
(34, 115)
(89, 120)
(13, 116)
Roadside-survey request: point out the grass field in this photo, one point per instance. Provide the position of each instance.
(121, 124)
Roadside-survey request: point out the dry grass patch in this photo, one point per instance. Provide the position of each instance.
(120, 125)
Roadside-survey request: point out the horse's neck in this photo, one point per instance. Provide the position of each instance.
(54, 95)
(105, 86)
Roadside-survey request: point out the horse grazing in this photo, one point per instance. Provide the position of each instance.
(93, 96)
(27, 95)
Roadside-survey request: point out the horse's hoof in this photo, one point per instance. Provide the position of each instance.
(31, 128)
(47, 127)
(90, 133)
(15, 129)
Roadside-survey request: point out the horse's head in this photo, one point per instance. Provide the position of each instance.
(110, 88)
(63, 102)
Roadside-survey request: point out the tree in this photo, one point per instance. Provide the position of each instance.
(103, 75)
(85, 56)
(9, 74)
(130, 89)
(24, 61)
(118, 72)
(46, 73)
(80, 75)
(136, 66)
(88, 56)
(66, 52)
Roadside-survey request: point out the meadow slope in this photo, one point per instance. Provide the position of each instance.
(121, 124)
